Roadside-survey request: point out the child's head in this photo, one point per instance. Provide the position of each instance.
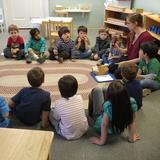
(35, 77)
(82, 31)
(13, 31)
(148, 50)
(103, 33)
(35, 33)
(68, 86)
(129, 70)
(122, 114)
(64, 33)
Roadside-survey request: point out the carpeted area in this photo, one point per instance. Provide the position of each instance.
(13, 76)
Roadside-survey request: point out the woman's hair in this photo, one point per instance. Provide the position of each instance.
(136, 17)
(149, 48)
(34, 31)
(12, 27)
(82, 28)
(68, 86)
(63, 30)
(35, 76)
(129, 70)
(122, 114)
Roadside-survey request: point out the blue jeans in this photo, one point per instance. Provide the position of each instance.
(150, 84)
(76, 54)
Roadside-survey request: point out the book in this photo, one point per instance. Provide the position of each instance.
(103, 78)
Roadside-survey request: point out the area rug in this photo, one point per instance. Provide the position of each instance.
(13, 76)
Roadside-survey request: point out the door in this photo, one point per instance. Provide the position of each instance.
(20, 12)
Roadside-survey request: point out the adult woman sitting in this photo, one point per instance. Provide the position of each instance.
(135, 38)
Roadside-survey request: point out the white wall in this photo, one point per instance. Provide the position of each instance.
(148, 5)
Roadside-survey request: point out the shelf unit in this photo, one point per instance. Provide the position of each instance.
(115, 18)
(152, 20)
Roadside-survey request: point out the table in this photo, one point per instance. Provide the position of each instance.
(21, 144)
(43, 23)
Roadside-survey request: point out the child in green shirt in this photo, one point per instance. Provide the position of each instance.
(149, 66)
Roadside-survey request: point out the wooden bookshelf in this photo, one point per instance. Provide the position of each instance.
(153, 20)
(115, 18)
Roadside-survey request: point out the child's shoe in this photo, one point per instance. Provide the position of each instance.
(146, 92)
(60, 59)
(28, 59)
(41, 60)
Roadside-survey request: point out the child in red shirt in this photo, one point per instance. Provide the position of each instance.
(15, 44)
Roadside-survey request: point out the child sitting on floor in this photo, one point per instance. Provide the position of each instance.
(101, 46)
(118, 114)
(149, 67)
(113, 54)
(15, 44)
(68, 116)
(4, 113)
(64, 46)
(35, 47)
(129, 72)
(82, 49)
(98, 94)
(32, 104)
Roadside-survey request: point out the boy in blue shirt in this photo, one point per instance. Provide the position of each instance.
(35, 47)
(32, 104)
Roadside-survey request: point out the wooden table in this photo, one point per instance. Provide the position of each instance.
(20, 144)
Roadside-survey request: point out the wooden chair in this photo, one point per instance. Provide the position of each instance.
(45, 29)
(53, 30)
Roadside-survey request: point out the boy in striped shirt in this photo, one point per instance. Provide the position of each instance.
(68, 116)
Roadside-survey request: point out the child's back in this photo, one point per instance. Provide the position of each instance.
(68, 116)
(31, 104)
(73, 122)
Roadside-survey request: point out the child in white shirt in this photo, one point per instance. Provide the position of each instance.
(68, 116)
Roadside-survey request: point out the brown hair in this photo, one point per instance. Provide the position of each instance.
(35, 76)
(129, 70)
(136, 17)
(102, 30)
(13, 27)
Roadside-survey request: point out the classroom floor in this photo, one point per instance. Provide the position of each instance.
(117, 148)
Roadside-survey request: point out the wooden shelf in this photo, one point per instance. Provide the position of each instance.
(154, 17)
(115, 18)
(115, 21)
(155, 35)
(119, 9)
(152, 20)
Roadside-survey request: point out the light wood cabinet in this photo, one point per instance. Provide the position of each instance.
(115, 18)
(152, 24)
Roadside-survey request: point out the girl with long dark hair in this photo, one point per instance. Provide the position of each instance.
(118, 113)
